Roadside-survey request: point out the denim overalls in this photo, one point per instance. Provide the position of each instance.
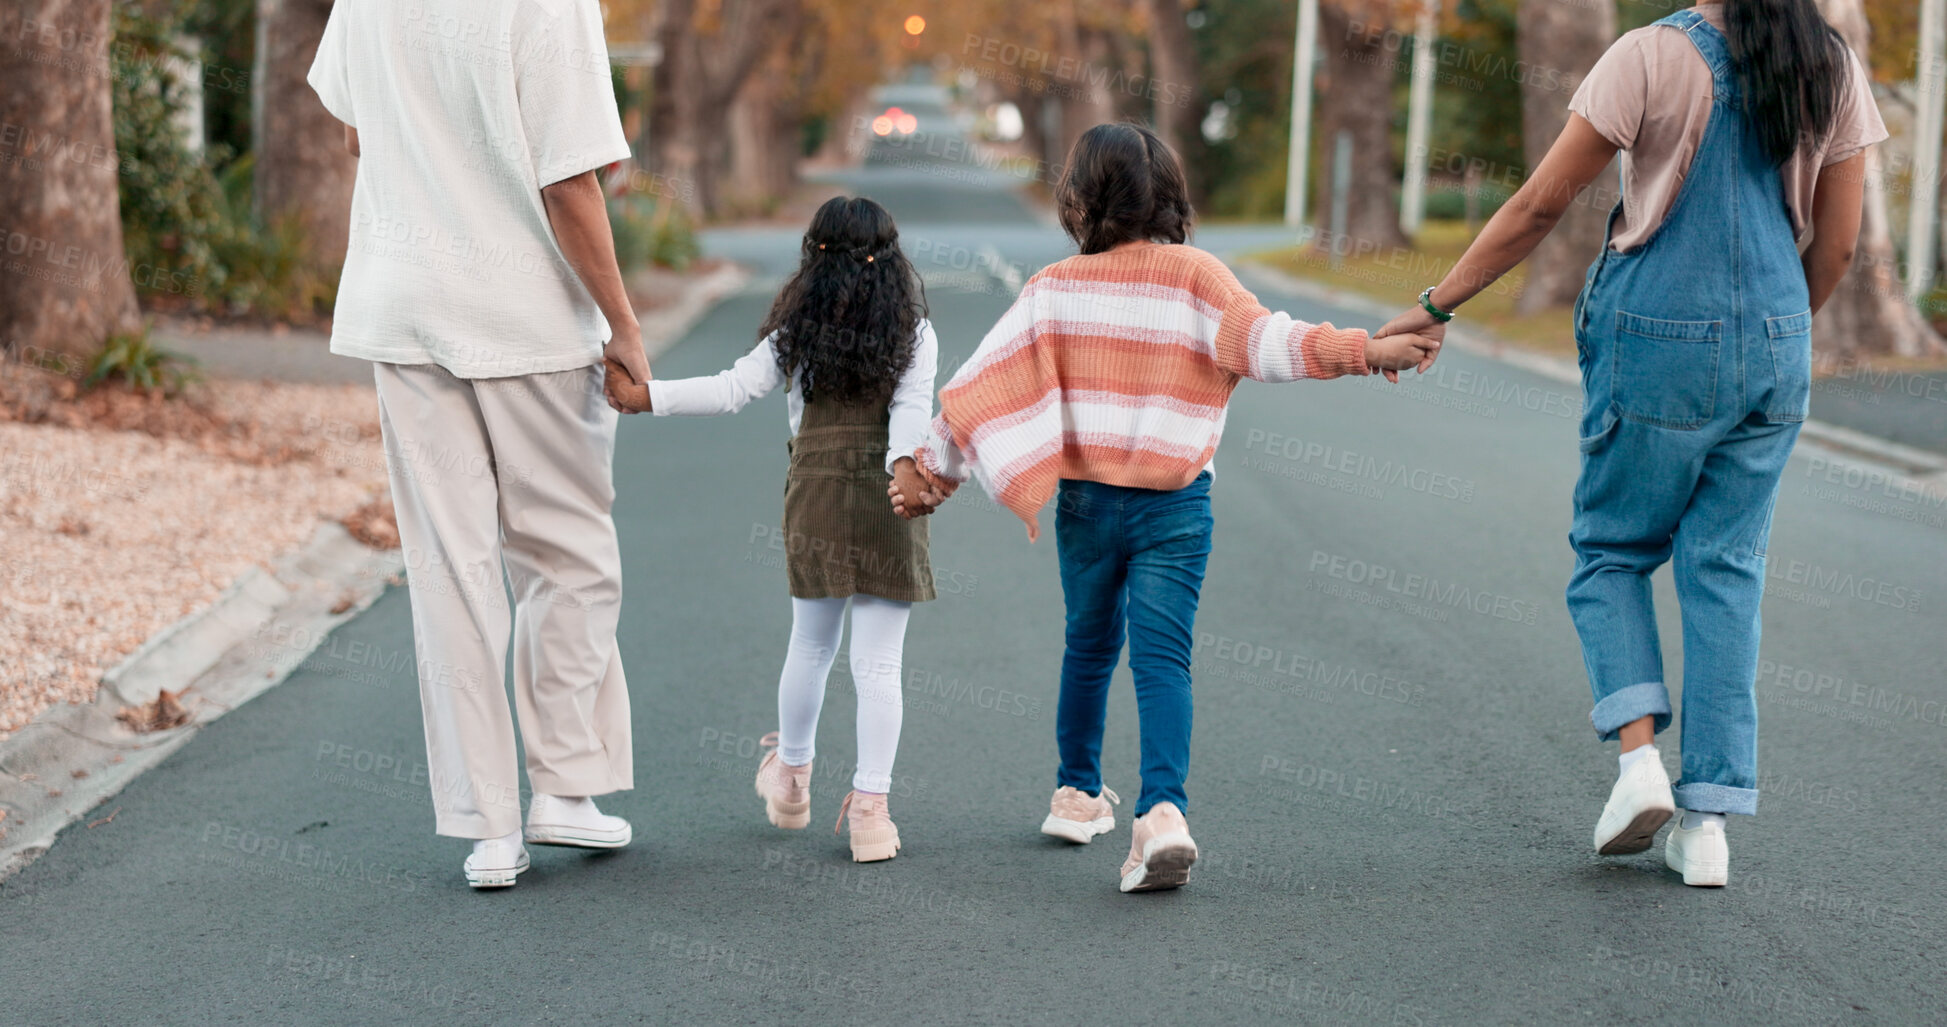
(1695, 351)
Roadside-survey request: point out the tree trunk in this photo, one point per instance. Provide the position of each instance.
(1358, 99)
(1034, 129)
(753, 134)
(1558, 42)
(673, 151)
(1084, 94)
(1173, 80)
(767, 120)
(64, 278)
(302, 170)
(1869, 314)
(699, 77)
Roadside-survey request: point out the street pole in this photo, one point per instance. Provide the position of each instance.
(1924, 196)
(1419, 121)
(1298, 162)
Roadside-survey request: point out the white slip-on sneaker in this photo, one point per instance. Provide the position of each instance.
(1639, 804)
(495, 862)
(553, 820)
(1077, 816)
(1701, 854)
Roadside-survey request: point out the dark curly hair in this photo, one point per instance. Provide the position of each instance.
(1122, 184)
(845, 320)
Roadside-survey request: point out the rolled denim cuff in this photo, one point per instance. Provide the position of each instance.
(1703, 797)
(1628, 705)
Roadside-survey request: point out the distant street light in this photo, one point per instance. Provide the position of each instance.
(915, 25)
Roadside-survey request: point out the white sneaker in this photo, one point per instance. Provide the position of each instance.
(1701, 854)
(1078, 816)
(496, 862)
(553, 820)
(1638, 805)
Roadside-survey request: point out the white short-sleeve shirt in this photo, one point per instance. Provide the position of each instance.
(465, 109)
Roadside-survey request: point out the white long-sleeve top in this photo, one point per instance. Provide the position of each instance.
(755, 374)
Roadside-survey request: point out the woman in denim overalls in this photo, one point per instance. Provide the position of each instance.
(1695, 350)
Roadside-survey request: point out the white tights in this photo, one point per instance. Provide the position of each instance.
(878, 641)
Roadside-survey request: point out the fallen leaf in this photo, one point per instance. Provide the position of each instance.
(104, 820)
(79, 774)
(165, 712)
(344, 603)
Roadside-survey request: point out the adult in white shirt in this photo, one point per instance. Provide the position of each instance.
(481, 281)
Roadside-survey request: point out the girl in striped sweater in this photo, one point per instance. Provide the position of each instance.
(1105, 387)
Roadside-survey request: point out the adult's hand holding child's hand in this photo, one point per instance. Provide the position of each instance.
(1416, 321)
(1391, 354)
(624, 392)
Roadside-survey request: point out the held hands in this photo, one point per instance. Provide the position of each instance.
(912, 496)
(625, 377)
(1413, 331)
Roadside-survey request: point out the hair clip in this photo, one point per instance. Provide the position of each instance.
(821, 246)
(868, 258)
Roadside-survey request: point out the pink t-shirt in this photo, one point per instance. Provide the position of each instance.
(1651, 95)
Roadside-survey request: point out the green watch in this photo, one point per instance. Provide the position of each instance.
(1426, 301)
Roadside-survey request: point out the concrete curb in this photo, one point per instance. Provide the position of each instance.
(1899, 466)
(72, 758)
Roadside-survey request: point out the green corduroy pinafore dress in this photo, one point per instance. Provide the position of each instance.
(842, 536)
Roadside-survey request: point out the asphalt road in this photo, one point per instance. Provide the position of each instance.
(1394, 794)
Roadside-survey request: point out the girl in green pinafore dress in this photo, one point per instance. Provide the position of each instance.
(848, 339)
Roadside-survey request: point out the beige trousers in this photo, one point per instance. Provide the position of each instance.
(513, 474)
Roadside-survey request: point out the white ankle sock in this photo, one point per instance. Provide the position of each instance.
(1628, 759)
(1693, 819)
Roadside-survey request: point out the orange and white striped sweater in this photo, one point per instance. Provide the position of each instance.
(1117, 367)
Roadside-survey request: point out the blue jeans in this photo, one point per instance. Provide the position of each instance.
(1131, 557)
(1696, 362)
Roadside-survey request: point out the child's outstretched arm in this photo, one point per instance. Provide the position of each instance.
(753, 376)
(1270, 346)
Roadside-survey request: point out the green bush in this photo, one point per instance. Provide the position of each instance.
(137, 361)
(173, 214)
(191, 239)
(652, 232)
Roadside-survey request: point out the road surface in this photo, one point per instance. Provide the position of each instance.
(1394, 778)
